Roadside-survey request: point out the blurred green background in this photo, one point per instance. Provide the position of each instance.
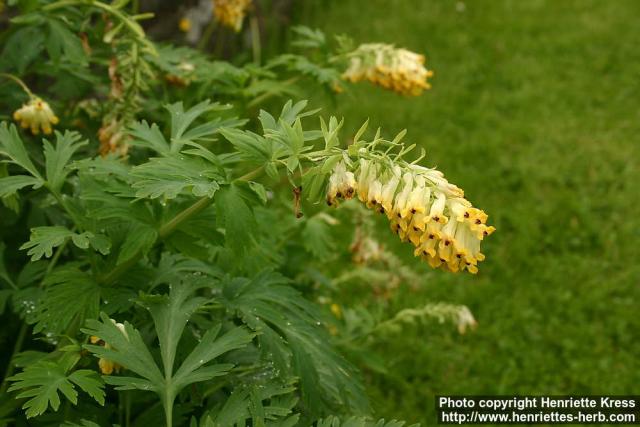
(535, 112)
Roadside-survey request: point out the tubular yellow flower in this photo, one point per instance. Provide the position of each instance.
(36, 115)
(342, 185)
(231, 13)
(336, 310)
(107, 367)
(422, 207)
(184, 25)
(395, 69)
(112, 138)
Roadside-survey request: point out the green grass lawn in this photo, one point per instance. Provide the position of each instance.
(535, 112)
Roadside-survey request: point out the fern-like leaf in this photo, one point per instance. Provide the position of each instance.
(292, 335)
(43, 382)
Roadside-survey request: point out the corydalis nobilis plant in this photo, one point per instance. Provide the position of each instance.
(183, 271)
(162, 246)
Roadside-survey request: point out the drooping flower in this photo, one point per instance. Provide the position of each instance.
(231, 13)
(423, 208)
(396, 69)
(36, 115)
(184, 24)
(183, 75)
(112, 137)
(106, 366)
(342, 185)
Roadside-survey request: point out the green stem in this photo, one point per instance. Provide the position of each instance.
(23, 329)
(127, 411)
(250, 175)
(56, 257)
(195, 208)
(64, 206)
(206, 35)
(169, 227)
(164, 232)
(260, 99)
(132, 25)
(16, 349)
(255, 40)
(119, 270)
(19, 82)
(168, 408)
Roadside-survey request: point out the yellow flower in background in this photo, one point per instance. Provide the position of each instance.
(336, 310)
(422, 207)
(112, 137)
(231, 13)
(184, 25)
(395, 69)
(107, 367)
(36, 115)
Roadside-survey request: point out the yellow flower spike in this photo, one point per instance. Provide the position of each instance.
(231, 13)
(422, 207)
(37, 116)
(396, 69)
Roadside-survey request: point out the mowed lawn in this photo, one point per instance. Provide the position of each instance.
(535, 112)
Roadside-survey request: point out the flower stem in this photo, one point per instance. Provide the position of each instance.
(250, 175)
(23, 329)
(206, 35)
(169, 227)
(19, 82)
(168, 408)
(195, 208)
(164, 232)
(16, 349)
(265, 96)
(256, 46)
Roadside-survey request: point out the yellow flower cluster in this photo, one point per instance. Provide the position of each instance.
(107, 367)
(396, 69)
(36, 115)
(231, 13)
(422, 207)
